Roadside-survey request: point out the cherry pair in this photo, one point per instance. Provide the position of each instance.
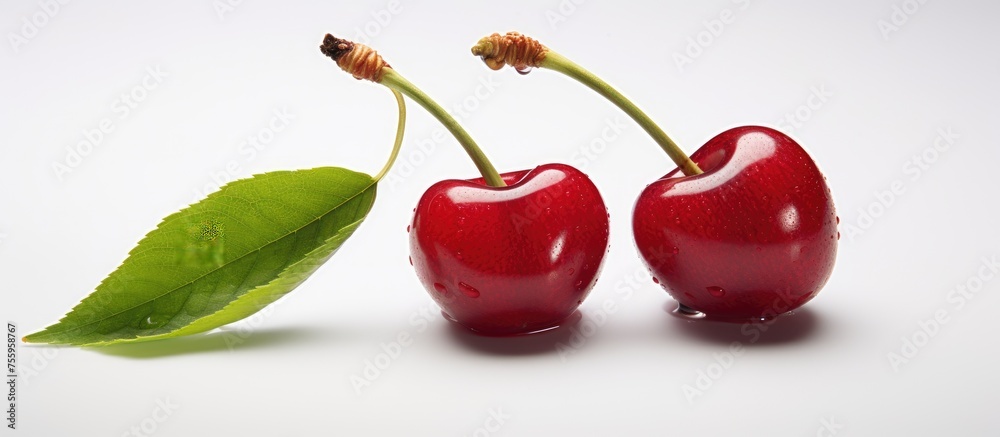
(743, 229)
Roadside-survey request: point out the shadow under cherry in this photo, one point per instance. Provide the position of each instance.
(538, 343)
(794, 327)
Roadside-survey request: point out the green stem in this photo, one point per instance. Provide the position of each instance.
(557, 62)
(400, 126)
(397, 82)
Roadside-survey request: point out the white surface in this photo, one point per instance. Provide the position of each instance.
(290, 373)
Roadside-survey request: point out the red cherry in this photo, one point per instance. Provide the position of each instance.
(751, 237)
(515, 259)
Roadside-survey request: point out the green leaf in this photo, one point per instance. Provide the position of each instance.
(221, 259)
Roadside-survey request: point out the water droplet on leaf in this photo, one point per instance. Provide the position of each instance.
(153, 321)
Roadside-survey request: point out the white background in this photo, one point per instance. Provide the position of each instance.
(824, 370)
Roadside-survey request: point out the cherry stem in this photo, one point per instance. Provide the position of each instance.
(400, 127)
(397, 82)
(557, 62)
(363, 62)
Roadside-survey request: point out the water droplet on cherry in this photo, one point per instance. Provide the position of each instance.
(838, 219)
(411, 260)
(468, 290)
(572, 271)
(655, 281)
(838, 235)
(676, 250)
(686, 312)
(523, 70)
(440, 288)
(407, 229)
(716, 291)
(579, 284)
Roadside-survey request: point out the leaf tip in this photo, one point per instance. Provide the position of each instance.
(36, 337)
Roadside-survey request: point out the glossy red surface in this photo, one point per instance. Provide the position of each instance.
(752, 237)
(515, 259)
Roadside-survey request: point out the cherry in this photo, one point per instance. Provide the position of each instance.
(745, 228)
(502, 254)
(515, 259)
(753, 236)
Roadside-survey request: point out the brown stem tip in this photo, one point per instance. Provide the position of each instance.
(359, 60)
(518, 51)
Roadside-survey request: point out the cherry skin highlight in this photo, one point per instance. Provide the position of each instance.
(510, 260)
(752, 237)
